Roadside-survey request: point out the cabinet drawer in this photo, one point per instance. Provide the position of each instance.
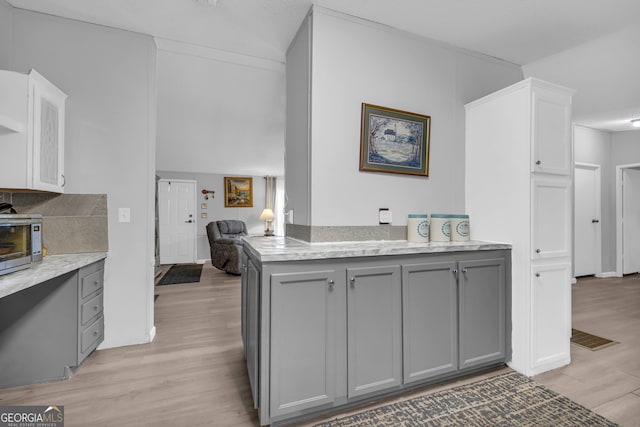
(91, 336)
(91, 309)
(91, 283)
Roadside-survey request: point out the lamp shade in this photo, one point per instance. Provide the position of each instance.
(266, 214)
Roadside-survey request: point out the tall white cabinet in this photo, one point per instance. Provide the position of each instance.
(519, 191)
(32, 115)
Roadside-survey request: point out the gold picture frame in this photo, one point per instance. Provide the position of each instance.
(394, 141)
(238, 192)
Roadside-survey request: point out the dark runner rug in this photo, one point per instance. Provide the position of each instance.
(509, 399)
(181, 273)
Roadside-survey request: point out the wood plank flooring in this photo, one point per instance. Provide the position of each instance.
(194, 374)
(607, 380)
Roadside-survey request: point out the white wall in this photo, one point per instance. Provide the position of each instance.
(625, 148)
(6, 27)
(594, 147)
(604, 73)
(216, 210)
(109, 77)
(219, 112)
(356, 61)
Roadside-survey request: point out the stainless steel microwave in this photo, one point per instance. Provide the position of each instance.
(20, 242)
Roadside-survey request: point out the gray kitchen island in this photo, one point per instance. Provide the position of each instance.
(333, 325)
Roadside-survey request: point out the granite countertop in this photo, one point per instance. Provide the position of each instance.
(271, 249)
(51, 266)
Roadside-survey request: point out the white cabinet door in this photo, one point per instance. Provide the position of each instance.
(551, 132)
(551, 316)
(551, 217)
(48, 135)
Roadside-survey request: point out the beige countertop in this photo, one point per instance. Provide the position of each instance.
(51, 266)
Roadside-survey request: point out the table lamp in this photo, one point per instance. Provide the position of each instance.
(267, 216)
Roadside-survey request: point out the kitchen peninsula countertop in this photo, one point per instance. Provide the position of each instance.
(273, 249)
(51, 266)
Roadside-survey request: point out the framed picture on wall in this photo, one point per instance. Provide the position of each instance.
(394, 141)
(238, 192)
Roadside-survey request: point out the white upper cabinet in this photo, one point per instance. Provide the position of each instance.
(32, 117)
(551, 131)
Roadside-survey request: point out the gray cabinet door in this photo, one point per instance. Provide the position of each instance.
(252, 326)
(482, 311)
(303, 331)
(374, 329)
(430, 319)
(243, 302)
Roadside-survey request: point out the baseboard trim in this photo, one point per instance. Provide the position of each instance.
(605, 275)
(152, 334)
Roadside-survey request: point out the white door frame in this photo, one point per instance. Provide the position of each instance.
(597, 170)
(619, 237)
(195, 221)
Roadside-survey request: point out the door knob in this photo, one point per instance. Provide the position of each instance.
(595, 221)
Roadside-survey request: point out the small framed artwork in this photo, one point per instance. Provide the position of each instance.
(238, 192)
(394, 141)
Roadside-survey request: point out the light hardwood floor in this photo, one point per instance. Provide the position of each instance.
(193, 373)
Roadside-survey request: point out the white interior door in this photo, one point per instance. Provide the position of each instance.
(587, 221)
(177, 222)
(630, 221)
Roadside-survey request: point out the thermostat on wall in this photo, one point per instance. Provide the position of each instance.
(384, 216)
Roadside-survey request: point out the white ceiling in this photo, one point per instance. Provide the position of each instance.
(519, 31)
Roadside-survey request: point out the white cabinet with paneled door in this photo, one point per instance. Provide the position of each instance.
(32, 119)
(551, 314)
(518, 165)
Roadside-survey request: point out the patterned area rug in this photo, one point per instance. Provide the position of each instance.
(509, 399)
(181, 273)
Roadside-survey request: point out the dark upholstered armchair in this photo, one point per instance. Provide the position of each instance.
(225, 242)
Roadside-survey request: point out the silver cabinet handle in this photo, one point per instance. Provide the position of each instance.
(595, 221)
(64, 180)
(537, 274)
(352, 281)
(538, 162)
(331, 283)
(464, 271)
(190, 221)
(538, 251)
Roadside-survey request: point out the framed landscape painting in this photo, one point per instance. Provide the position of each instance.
(394, 141)
(238, 192)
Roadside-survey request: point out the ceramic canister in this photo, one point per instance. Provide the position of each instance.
(440, 228)
(418, 228)
(459, 228)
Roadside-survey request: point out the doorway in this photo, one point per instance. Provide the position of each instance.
(587, 225)
(177, 222)
(627, 219)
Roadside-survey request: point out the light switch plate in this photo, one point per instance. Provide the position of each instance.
(124, 215)
(384, 216)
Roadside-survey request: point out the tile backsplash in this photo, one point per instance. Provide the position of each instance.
(71, 223)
